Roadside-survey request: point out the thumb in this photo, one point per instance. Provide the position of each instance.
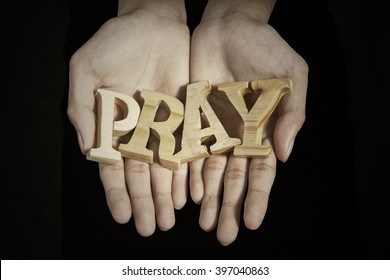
(291, 116)
(81, 102)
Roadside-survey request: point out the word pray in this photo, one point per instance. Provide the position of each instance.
(194, 136)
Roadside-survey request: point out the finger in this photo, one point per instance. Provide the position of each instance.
(137, 176)
(162, 196)
(233, 193)
(118, 201)
(214, 169)
(180, 186)
(196, 180)
(81, 101)
(291, 115)
(262, 173)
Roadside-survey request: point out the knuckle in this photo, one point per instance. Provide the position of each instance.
(230, 204)
(210, 197)
(110, 168)
(215, 164)
(235, 173)
(139, 168)
(262, 167)
(260, 192)
(162, 194)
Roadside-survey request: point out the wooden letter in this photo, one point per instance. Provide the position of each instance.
(136, 147)
(107, 127)
(197, 107)
(272, 91)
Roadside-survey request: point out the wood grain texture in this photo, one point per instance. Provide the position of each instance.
(107, 127)
(194, 135)
(272, 90)
(136, 148)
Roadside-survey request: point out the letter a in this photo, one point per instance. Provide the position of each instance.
(193, 134)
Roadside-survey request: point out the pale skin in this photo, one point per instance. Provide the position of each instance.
(145, 47)
(159, 59)
(234, 43)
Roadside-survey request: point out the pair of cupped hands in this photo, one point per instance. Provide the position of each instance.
(142, 49)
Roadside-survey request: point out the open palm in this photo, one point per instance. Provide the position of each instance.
(140, 50)
(239, 48)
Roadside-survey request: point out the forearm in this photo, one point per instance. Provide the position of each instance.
(257, 9)
(173, 9)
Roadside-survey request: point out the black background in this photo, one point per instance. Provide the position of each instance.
(329, 201)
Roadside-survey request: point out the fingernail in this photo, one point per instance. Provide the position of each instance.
(290, 147)
(81, 142)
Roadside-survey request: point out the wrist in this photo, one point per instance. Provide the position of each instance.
(172, 9)
(259, 10)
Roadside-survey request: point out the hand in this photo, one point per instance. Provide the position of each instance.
(142, 48)
(239, 46)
